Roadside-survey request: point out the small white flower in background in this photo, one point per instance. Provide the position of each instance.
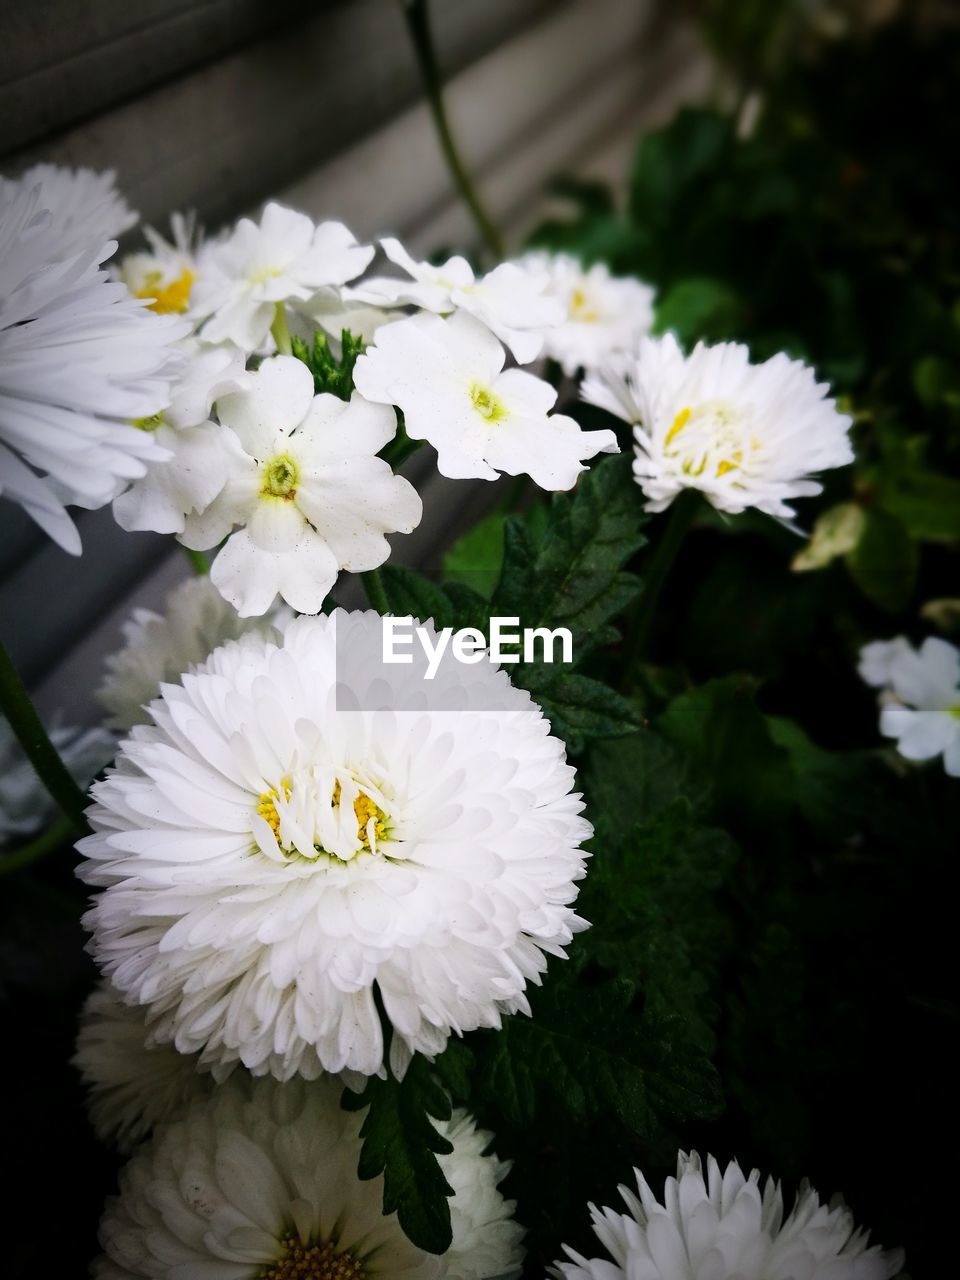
(86, 207)
(601, 314)
(80, 361)
(159, 647)
(197, 449)
(511, 302)
(262, 1184)
(330, 311)
(744, 435)
(717, 1224)
(165, 274)
(305, 484)
(25, 804)
(132, 1086)
(447, 376)
(266, 856)
(284, 258)
(920, 703)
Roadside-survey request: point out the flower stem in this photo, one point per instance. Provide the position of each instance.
(373, 585)
(678, 523)
(61, 831)
(40, 751)
(417, 14)
(281, 331)
(201, 565)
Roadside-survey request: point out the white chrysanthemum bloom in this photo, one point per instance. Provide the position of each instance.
(164, 274)
(601, 316)
(511, 302)
(306, 488)
(744, 435)
(80, 361)
(197, 448)
(723, 1227)
(25, 804)
(447, 376)
(261, 1184)
(86, 207)
(285, 258)
(132, 1084)
(302, 822)
(920, 703)
(159, 647)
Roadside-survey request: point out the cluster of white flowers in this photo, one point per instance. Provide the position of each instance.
(920, 696)
(720, 1226)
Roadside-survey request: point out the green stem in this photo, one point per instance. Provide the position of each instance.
(201, 565)
(417, 13)
(373, 585)
(678, 523)
(61, 831)
(281, 331)
(40, 751)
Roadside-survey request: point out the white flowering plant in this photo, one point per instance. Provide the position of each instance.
(427, 903)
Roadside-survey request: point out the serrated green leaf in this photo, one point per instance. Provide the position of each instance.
(475, 559)
(578, 707)
(884, 562)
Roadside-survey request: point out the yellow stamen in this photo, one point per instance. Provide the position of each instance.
(149, 424)
(487, 404)
(313, 1262)
(365, 809)
(729, 464)
(280, 476)
(174, 297)
(267, 808)
(679, 422)
(580, 308)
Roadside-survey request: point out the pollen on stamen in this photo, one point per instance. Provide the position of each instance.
(313, 1262)
(172, 298)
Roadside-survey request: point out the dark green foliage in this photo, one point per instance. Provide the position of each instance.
(330, 373)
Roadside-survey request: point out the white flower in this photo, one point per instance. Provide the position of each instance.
(722, 1227)
(86, 207)
(166, 273)
(305, 484)
(601, 314)
(195, 469)
(447, 376)
(744, 435)
(302, 822)
(158, 648)
(920, 705)
(132, 1085)
(510, 301)
(263, 1186)
(80, 361)
(242, 278)
(25, 804)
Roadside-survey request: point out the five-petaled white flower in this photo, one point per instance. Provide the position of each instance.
(920, 702)
(447, 376)
(305, 484)
(511, 302)
(283, 258)
(744, 435)
(717, 1224)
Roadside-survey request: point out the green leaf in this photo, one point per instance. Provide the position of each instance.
(926, 504)
(699, 308)
(400, 1141)
(670, 165)
(578, 707)
(836, 533)
(411, 594)
(884, 562)
(330, 373)
(476, 558)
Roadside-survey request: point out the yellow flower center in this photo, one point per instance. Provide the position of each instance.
(365, 809)
(149, 424)
(267, 807)
(581, 308)
(174, 296)
(487, 404)
(313, 1262)
(280, 476)
(713, 440)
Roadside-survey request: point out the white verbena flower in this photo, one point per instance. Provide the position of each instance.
(85, 205)
(262, 1185)
(80, 361)
(745, 435)
(197, 449)
(159, 647)
(601, 314)
(164, 274)
(302, 822)
(447, 376)
(920, 703)
(25, 804)
(132, 1085)
(511, 302)
(718, 1224)
(306, 487)
(285, 258)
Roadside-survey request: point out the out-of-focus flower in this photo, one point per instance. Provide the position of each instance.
(920, 702)
(165, 274)
(447, 376)
(511, 302)
(85, 206)
(25, 804)
(721, 1225)
(289, 832)
(602, 315)
(306, 487)
(744, 435)
(284, 258)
